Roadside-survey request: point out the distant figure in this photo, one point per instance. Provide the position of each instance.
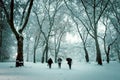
(50, 62)
(69, 62)
(59, 62)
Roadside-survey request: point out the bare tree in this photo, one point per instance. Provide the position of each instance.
(51, 18)
(83, 38)
(93, 11)
(107, 46)
(58, 34)
(96, 6)
(18, 34)
(37, 38)
(114, 16)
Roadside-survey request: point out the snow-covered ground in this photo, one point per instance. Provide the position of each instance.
(79, 71)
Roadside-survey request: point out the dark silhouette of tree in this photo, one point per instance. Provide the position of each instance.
(18, 34)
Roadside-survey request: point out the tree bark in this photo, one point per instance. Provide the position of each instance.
(0, 41)
(19, 58)
(43, 55)
(0, 36)
(107, 54)
(1, 27)
(27, 52)
(98, 53)
(34, 56)
(118, 57)
(46, 53)
(86, 54)
(57, 46)
(56, 55)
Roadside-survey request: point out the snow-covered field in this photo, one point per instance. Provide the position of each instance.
(79, 71)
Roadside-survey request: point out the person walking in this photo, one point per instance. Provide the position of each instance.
(50, 61)
(59, 62)
(69, 62)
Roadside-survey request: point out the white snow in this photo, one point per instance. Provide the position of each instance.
(79, 71)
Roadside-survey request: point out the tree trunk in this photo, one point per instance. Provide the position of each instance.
(1, 25)
(27, 53)
(56, 54)
(27, 48)
(0, 37)
(55, 49)
(119, 57)
(0, 43)
(19, 58)
(55, 57)
(86, 54)
(34, 56)
(43, 56)
(108, 60)
(98, 53)
(118, 54)
(42, 61)
(46, 53)
(107, 54)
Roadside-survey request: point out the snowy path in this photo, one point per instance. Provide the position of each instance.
(80, 71)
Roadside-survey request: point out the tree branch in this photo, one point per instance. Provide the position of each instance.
(87, 14)
(78, 18)
(3, 6)
(27, 17)
(23, 14)
(12, 12)
(10, 20)
(102, 12)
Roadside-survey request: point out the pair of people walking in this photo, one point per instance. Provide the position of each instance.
(50, 61)
(69, 62)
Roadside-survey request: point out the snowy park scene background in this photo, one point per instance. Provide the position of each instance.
(59, 40)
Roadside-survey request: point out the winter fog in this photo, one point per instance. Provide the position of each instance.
(57, 38)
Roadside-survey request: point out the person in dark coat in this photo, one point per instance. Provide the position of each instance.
(59, 62)
(50, 61)
(69, 62)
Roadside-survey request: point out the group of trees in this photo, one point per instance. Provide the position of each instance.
(48, 21)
